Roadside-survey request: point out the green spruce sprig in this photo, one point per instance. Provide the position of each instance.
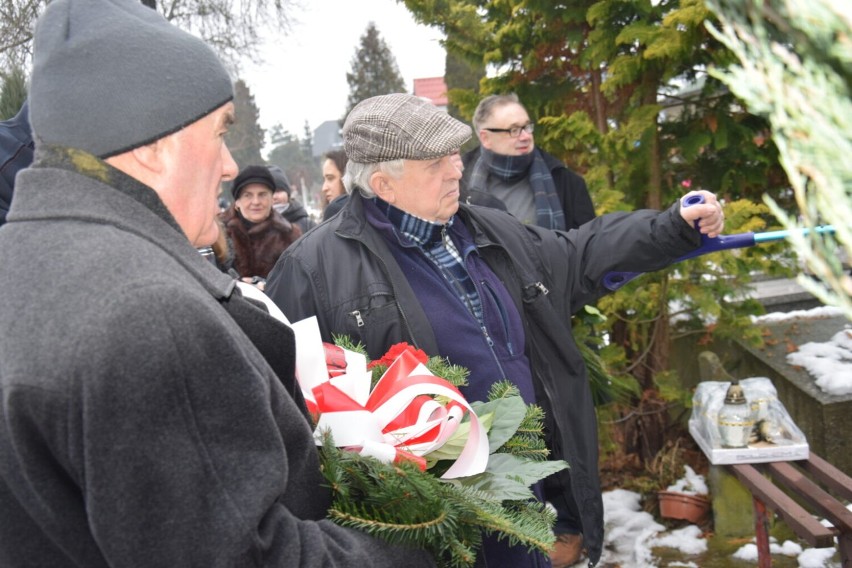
(528, 440)
(438, 366)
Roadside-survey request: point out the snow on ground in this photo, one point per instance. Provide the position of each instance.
(630, 534)
(690, 484)
(830, 362)
(807, 558)
(820, 312)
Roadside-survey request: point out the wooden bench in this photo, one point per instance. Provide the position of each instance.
(818, 485)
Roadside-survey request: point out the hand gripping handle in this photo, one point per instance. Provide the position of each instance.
(615, 280)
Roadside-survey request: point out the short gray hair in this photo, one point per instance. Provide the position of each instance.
(358, 175)
(486, 107)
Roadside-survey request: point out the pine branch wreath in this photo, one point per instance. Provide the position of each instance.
(404, 505)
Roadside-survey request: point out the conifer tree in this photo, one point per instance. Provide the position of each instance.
(294, 156)
(462, 77)
(374, 70)
(277, 134)
(13, 93)
(245, 137)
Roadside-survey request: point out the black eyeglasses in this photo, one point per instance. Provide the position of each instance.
(515, 131)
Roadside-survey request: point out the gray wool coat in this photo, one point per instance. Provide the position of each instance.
(148, 412)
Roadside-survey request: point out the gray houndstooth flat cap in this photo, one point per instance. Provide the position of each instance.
(400, 126)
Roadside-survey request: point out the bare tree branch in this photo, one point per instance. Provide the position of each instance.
(231, 27)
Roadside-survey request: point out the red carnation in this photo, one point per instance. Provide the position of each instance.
(395, 351)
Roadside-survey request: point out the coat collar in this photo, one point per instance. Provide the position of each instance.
(66, 184)
(352, 220)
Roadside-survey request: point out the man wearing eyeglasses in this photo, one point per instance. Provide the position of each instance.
(508, 172)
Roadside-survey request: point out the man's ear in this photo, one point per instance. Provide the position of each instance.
(484, 139)
(150, 156)
(144, 163)
(380, 186)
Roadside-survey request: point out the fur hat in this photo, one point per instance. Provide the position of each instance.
(112, 75)
(400, 126)
(252, 174)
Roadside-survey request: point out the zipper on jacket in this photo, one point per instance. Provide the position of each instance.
(488, 339)
(357, 314)
(501, 310)
(532, 291)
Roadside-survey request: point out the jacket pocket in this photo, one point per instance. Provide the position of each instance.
(375, 321)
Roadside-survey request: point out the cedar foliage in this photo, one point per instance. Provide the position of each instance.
(795, 68)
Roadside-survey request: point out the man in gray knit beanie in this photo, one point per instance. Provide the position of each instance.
(150, 414)
(110, 76)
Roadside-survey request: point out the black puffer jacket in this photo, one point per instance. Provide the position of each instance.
(344, 273)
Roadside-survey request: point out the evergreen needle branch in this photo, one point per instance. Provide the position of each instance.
(378, 525)
(408, 507)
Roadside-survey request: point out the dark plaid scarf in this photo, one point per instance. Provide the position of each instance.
(435, 242)
(548, 209)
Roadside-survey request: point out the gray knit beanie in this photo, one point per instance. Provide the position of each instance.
(112, 75)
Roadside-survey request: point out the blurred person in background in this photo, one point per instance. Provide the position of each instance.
(507, 171)
(333, 190)
(258, 233)
(286, 203)
(16, 153)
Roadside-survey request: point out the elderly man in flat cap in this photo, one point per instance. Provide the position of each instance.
(149, 413)
(404, 261)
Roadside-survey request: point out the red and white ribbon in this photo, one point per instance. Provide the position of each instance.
(399, 419)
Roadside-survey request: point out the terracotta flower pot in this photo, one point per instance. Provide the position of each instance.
(692, 508)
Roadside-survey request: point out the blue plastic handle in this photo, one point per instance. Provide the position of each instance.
(615, 280)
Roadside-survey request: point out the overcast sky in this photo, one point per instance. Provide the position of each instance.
(304, 76)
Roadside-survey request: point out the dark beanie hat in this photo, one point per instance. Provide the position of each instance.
(112, 75)
(252, 174)
(281, 181)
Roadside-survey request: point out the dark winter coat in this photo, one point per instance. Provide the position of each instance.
(298, 215)
(256, 246)
(149, 414)
(334, 206)
(570, 189)
(344, 273)
(16, 153)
